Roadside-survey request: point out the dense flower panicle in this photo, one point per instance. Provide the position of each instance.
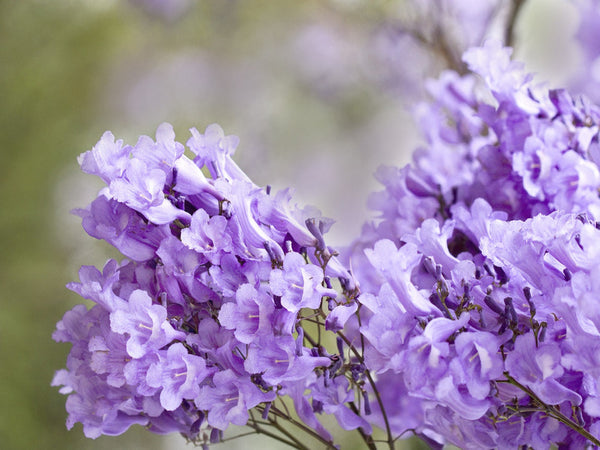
(479, 277)
(465, 314)
(204, 321)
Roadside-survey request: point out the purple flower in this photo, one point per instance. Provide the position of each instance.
(478, 361)
(207, 235)
(226, 278)
(338, 317)
(107, 158)
(387, 330)
(430, 352)
(179, 374)
(503, 76)
(252, 238)
(470, 301)
(296, 391)
(180, 272)
(395, 266)
(98, 287)
(141, 188)
(298, 284)
(446, 426)
(136, 176)
(161, 155)
(229, 398)
(433, 242)
(135, 372)
(98, 408)
(109, 356)
(277, 211)
(334, 395)
(203, 321)
(217, 345)
(404, 412)
(98, 397)
(214, 150)
(72, 327)
(459, 399)
(145, 324)
(122, 227)
(277, 360)
(250, 315)
(538, 367)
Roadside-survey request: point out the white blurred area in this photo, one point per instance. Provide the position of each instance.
(298, 85)
(546, 37)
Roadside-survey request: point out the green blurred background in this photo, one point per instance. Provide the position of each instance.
(292, 79)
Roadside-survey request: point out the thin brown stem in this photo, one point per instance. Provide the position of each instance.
(370, 443)
(278, 413)
(388, 430)
(308, 337)
(509, 33)
(282, 430)
(362, 338)
(238, 436)
(255, 425)
(287, 411)
(438, 44)
(552, 411)
(319, 330)
(261, 430)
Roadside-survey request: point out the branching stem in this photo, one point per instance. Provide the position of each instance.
(551, 410)
(388, 430)
(275, 413)
(255, 425)
(366, 437)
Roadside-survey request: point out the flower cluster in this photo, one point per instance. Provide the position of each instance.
(479, 279)
(203, 321)
(467, 311)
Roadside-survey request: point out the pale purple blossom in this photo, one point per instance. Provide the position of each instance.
(145, 324)
(250, 316)
(179, 374)
(229, 398)
(298, 284)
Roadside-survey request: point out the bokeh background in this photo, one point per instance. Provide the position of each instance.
(317, 91)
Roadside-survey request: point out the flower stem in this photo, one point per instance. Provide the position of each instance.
(272, 422)
(260, 430)
(552, 410)
(388, 430)
(370, 443)
(509, 34)
(277, 413)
